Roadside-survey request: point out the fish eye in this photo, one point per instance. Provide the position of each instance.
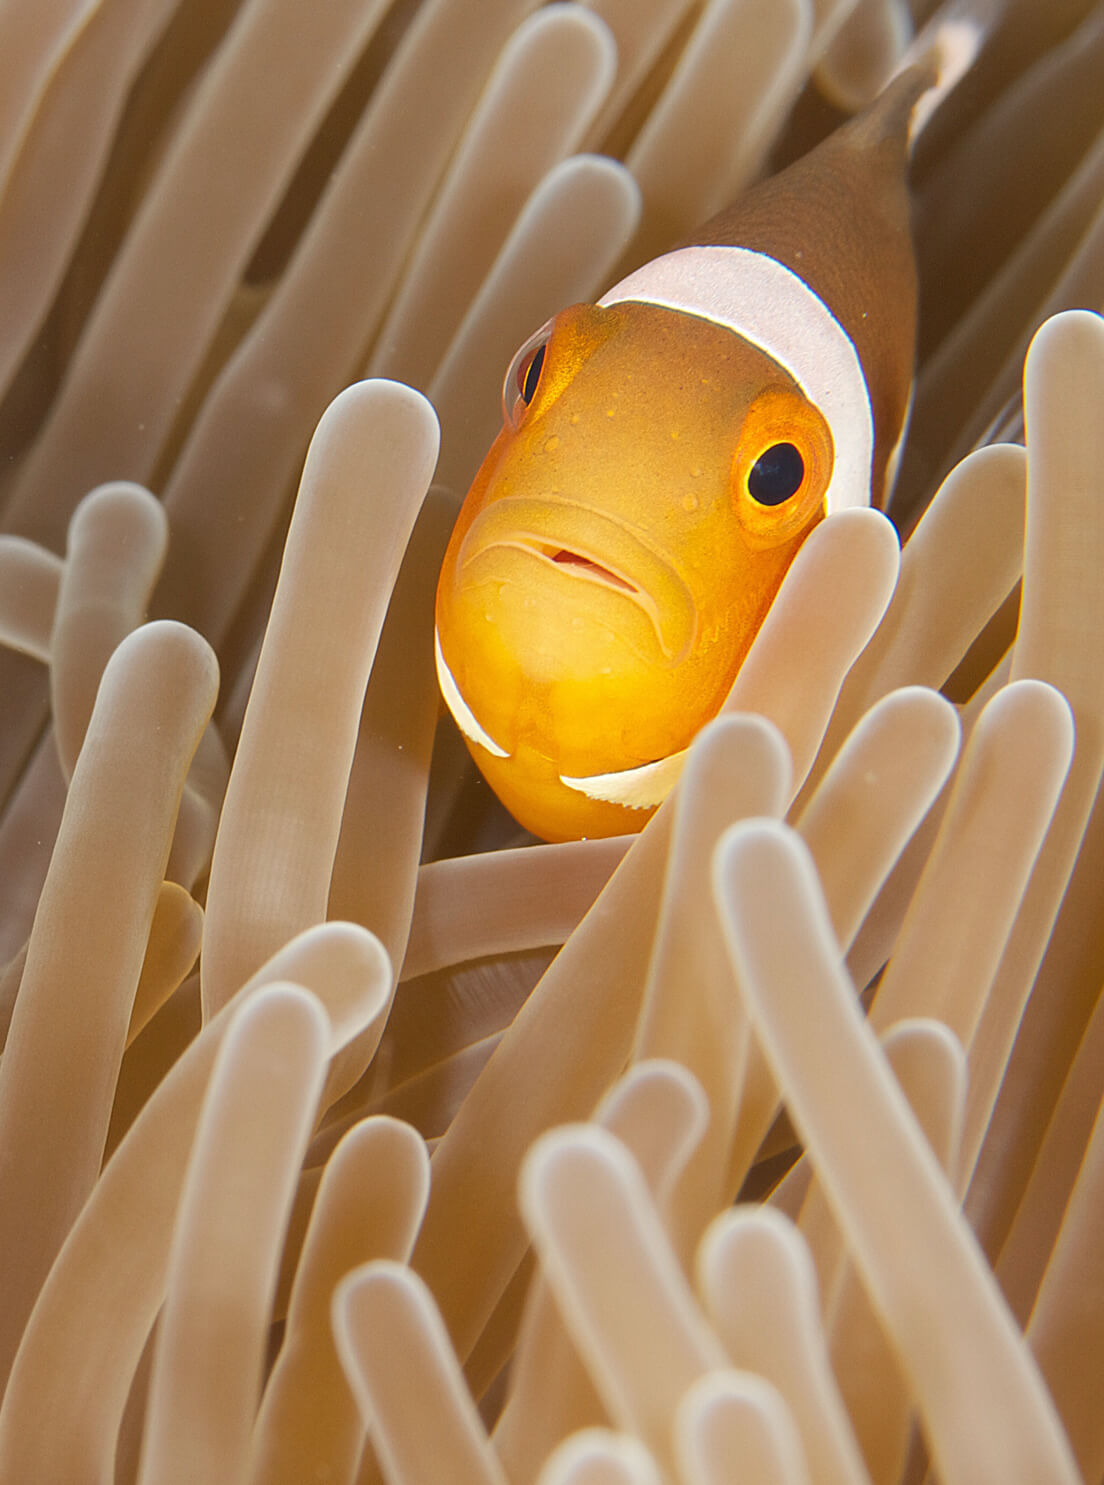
(782, 466)
(776, 475)
(530, 376)
(523, 376)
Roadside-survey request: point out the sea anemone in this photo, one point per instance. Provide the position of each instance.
(348, 1134)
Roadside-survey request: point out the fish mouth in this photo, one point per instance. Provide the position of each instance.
(592, 547)
(586, 567)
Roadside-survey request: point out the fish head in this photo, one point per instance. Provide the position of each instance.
(655, 476)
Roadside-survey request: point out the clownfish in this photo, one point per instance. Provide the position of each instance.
(664, 453)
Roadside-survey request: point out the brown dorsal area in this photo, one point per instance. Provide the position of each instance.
(839, 218)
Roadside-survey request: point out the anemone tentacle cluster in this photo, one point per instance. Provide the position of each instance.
(349, 1134)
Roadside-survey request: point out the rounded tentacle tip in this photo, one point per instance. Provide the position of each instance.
(764, 873)
(401, 416)
(1071, 332)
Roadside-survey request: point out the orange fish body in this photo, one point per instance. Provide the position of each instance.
(664, 455)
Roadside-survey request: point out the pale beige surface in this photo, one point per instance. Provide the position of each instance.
(659, 1112)
(29, 579)
(471, 906)
(684, 157)
(392, 1343)
(213, 215)
(157, 694)
(115, 547)
(245, 150)
(602, 1245)
(595, 1456)
(368, 1206)
(65, 1348)
(261, 1099)
(313, 674)
(175, 939)
(734, 1426)
(549, 80)
(931, 1068)
(987, 1413)
(759, 1285)
(1063, 377)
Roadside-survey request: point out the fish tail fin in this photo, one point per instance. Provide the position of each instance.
(940, 55)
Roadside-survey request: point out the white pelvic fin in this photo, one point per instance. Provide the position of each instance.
(462, 713)
(636, 788)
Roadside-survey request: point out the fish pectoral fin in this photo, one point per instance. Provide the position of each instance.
(636, 788)
(462, 713)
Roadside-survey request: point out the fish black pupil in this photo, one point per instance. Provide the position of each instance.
(532, 376)
(776, 474)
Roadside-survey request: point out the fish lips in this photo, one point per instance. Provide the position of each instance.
(587, 545)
